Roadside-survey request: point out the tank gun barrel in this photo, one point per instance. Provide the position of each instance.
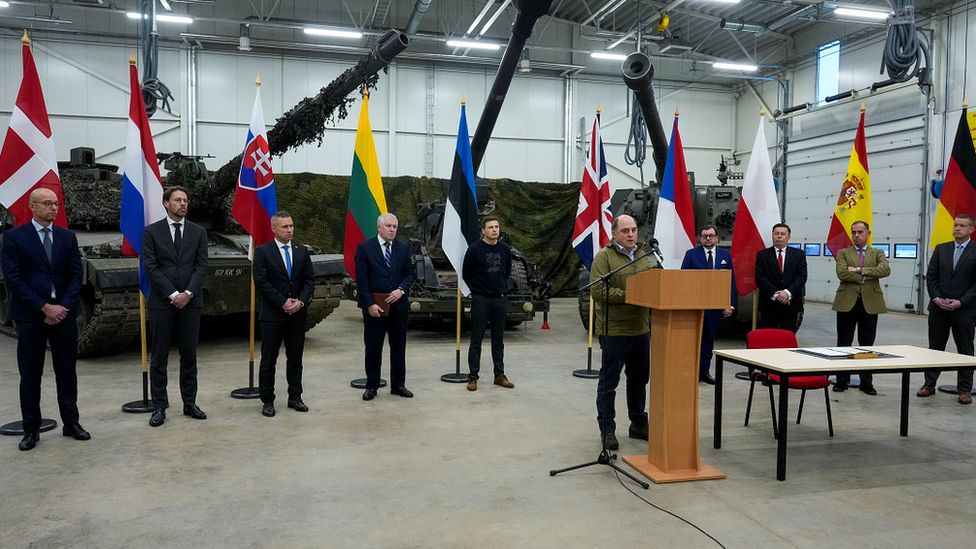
(638, 75)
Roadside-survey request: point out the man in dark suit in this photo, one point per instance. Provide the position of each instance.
(283, 275)
(781, 274)
(42, 271)
(951, 281)
(709, 256)
(174, 255)
(384, 274)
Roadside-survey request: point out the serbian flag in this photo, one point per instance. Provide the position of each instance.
(674, 226)
(142, 187)
(254, 199)
(366, 197)
(461, 212)
(758, 211)
(593, 217)
(854, 200)
(959, 188)
(28, 160)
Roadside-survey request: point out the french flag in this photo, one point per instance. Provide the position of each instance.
(254, 199)
(674, 225)
(142, 187)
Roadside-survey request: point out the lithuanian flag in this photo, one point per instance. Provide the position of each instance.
(854, 200)
(959, 187)
(366, 198)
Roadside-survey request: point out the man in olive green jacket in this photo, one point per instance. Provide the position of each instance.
(859, 298)
(626, 340)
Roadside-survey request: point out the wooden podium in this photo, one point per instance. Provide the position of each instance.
(679, 299)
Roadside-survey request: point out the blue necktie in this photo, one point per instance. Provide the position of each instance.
(287, 259)
(957, 255)
(48, 244)
(387, 255)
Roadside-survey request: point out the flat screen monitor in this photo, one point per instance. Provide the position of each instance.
(886, 248)
(827, 251)
(906, 251)
(795, 245)
(811, 249)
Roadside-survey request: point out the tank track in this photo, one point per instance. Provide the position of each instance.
(326, 299)
(113, 322)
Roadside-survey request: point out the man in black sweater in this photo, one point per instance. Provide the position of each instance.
(487, 266)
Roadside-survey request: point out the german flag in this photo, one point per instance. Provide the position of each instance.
(366, 197)
(959, 188)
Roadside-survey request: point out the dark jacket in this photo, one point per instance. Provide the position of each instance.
(29, 276)
(372, 274)
(273, 283)
(170, 272)
(487, 268)
(948, 283)
(770, 280)
(695, 258)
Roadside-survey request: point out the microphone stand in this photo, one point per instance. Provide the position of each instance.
(606, 457)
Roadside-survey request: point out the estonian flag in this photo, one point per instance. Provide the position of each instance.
(461, 212)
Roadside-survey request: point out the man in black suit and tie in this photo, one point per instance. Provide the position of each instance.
(781, 274)
(42, 270)
(384, 274)
(951, 281)
(283, 275)
(174, 255)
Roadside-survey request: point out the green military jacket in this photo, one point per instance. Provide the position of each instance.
(624, 319)
(865, 284)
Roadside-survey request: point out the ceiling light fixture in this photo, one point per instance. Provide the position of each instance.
(608, 56)
(484, 12)
(735, 66)
(862, 14)
(473, 44)
(161, 17)
(4, 4)
(726, 1)
(318, 31)
(165, 5)
(494, 17)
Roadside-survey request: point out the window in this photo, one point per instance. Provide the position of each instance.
(828, 70)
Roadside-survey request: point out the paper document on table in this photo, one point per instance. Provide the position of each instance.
(849, 350)
(829, 351)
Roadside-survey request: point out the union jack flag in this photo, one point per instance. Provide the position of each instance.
(593, 217)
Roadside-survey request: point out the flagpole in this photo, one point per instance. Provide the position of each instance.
(141, 406)
(457, 376)
(250, 391)
(589, 372)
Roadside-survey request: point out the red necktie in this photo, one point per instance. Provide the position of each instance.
(779, 259)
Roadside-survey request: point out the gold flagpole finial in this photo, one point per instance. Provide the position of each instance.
(364, 91)
(676, 112)
(598, 109)
(132, 59)
(762, 112)
(257, 80)
(25, 40)
(864, 107)
(464, 101)
(965, 103)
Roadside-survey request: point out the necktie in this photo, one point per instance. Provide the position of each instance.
(779, 259)
(711, 260)
(48, 245)
(860, 257)
(387, 254)
(957, 254)
(287, 259)
(177, 236)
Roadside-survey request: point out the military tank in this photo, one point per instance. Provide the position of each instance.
(108, 309)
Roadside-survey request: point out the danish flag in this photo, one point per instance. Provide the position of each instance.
(593, 217)
(28, 160)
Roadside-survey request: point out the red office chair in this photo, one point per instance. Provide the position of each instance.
(774, 338)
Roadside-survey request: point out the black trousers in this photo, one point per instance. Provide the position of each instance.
(866, 325)
(630, 354)
(776, 315)
(487, 311)
(32, 341)
(962, 327)
(375, 331)
(167, 324)
(291, 332)
(709, 332)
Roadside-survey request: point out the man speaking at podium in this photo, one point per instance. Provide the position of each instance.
(624, 332)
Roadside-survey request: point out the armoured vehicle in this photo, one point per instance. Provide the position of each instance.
(108, 315)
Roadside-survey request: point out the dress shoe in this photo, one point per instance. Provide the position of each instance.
(29, 441)
(707, 378)
(925, 391)
(194, 411)
(157, 419)
(369, 394)
(268, 409)
(401, 391)
(840, 387)
(297, 405)
(75, 431)
(638, 431)
(503, 381)
(609, 441)
(965, 397)
(472, 384)
(867, 389)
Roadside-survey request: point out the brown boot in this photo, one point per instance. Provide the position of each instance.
(504, 382)
(965, 397)
(925, 391)
(472, 384)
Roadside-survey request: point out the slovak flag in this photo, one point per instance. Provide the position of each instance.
(674, 226)
(142, 187)
(254, 199)
(593, 218)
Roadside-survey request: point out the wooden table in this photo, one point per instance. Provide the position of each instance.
(788, 363)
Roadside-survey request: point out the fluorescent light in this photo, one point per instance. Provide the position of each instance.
(726, 1)
(333, 33)
(165, 5)
(607, 55)
(484, 12)
(473, 44)
(134, 15)
(494, 17)
(4, 4)
(863, 14)
(735, 67)
(174, 19)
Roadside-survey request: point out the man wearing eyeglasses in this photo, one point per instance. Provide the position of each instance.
(43, 274)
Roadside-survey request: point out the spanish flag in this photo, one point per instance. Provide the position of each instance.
(959, 188)
(854, 201)
(366, 197)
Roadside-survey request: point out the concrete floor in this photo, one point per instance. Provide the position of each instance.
(456, 469)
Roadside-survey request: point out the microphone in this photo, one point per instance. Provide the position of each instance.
(656, 251)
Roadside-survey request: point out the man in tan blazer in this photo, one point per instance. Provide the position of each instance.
(859, 298)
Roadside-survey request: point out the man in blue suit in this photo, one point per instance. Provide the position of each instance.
(709, 256)
(42, 270)
(384, 274)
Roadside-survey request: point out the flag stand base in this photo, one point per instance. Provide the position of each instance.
(454, 377)
(361, 383)
(246, 393)
(16, 428)
(588, 373)
(137, 407)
